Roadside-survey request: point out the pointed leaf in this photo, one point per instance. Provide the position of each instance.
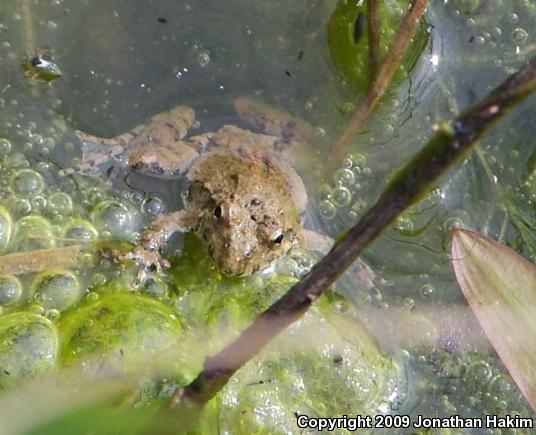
(500, 287)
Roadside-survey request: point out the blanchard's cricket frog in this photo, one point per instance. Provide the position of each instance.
(244, 198)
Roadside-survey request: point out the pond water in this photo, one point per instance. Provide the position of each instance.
(124, 61)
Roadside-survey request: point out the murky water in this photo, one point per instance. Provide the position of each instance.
(123, 61)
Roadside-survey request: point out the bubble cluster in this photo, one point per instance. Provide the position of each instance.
(343, 193)
(296, 263)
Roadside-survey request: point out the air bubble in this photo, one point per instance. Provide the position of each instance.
(38, 202)
(26, 183)
(513, 18)
(52, 315)
(467, 6)
(320, 132)
(113, 217)
(325, 192)
(342, 197)
(427, 290)
(60, 203)
(56, 290)
(29, 346)
(22, 207)
(478, 371)
(452, 222)
(5, 148)
(405, 225)
(409, 303)
(519, 35)
(203, 59)
(358, 159)
(33, 232)
(155, 287)
(80, 231)
(10, 290)
(154, 206)
(327, 210)
(6, 226)
(345, 177)
(136, 198)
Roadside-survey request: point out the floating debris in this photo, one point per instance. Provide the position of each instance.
(40, 68)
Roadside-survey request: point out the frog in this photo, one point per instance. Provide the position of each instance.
(244, 196)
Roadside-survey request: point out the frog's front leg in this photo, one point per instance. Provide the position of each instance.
(147, 252)
(97, 151)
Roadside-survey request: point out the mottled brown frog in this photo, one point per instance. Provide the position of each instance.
(244, 199)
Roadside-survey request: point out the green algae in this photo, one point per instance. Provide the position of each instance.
(325, 364)
(28, 347)
(124, 327)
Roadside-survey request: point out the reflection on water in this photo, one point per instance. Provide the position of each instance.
(124, 61)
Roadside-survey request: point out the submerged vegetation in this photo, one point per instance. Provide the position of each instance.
(94, 353)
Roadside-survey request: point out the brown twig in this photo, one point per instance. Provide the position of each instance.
(27, 26)
(448, 145)
(36, 261)
(381, 82)
(373, 24)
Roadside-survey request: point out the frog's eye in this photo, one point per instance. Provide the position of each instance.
(217, 212)
(278, 239)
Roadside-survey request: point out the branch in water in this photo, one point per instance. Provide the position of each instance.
(27, 26)
(383, 78)
(448, 145)
(373, 24)
(36, 261)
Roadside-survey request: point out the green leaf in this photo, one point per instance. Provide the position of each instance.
(500, 287)
(348, 39)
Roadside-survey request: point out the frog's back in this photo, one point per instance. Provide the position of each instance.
(253, 179)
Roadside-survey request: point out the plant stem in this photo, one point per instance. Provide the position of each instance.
(447, 146)
(383, 78)
(27, 26)
(36, 261)
(373, 24)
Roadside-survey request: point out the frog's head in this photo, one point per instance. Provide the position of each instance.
(245, 236)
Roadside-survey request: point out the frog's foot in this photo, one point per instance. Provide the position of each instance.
(168, 159)
(147, 253)
(97, 151)
(272, 121)
(146, 260)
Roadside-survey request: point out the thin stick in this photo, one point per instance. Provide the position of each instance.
(447, 146)
(394, 57)
(373, 23)
(27, 26)
(36, 261)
